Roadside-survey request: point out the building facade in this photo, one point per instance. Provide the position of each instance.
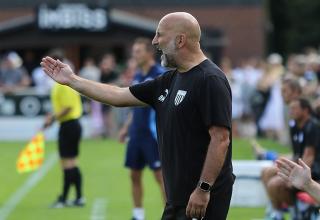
(231, 28)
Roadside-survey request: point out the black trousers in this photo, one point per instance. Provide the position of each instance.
(217, 209)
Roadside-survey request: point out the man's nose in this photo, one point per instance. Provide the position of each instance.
(155, 40)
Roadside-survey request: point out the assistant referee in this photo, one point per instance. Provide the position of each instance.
(67, 109)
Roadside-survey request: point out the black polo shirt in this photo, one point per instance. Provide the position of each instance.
(187, 105)
(307, 136)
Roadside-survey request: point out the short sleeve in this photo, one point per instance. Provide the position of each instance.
(215, 102)
(312, 137)
(145, 91)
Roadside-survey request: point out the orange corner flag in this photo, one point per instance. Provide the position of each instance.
(31, 157)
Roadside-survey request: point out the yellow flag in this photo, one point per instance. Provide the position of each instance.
(31, 157)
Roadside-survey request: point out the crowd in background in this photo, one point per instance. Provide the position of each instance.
(18, 76)
(258, 107)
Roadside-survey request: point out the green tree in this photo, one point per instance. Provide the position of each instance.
(295, 25)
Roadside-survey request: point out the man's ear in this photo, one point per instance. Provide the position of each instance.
(181, 40)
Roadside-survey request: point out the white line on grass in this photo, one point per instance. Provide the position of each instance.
(98, 211)
(14, 200)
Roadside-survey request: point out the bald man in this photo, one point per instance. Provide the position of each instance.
(193, 112)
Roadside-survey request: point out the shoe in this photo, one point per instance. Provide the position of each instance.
(79, 202)
(60, 203)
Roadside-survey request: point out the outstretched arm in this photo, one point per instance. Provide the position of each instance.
(299, 175)
(109, 94)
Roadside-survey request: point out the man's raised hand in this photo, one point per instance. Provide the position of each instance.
(58, 71)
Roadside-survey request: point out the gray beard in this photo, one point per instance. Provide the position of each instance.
(167, 61)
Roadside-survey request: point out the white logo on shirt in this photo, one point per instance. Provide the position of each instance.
(179, 97)
(163, 97)
(298, 137)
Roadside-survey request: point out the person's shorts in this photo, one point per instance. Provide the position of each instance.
(217, 208)
(142, 152)
(69, 138)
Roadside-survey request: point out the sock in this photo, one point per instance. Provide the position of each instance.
(67, 181)
(138, 213)
(77, 180)
(277, 214)
(269, 209)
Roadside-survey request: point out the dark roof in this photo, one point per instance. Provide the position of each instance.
(117, 17)
(135, 3)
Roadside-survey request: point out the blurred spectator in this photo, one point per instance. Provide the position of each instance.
(125, 80)
(312, 73)
(42, 82)
(305, 144)
(108, 75)
(127, 75)
(13, 76)
(30, 62)
(271, 121)
(249, 73)
(237, 100)
(107, 68)
(90, 70)
(297, 68)
(290, 91)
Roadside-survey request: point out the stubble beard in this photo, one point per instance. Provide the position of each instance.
(167, 57)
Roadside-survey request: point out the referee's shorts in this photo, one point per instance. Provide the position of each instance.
(69, 138)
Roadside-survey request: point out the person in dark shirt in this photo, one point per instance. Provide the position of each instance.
(304, 133)
(140, 127)
(108, 75)
(13, 75)
(193, 113)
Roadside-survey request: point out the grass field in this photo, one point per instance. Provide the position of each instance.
(106, 185)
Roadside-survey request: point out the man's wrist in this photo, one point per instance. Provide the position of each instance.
(308, 185)
(204, 186)
(74, 82)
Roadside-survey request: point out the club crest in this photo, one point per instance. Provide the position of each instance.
(179, 97)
